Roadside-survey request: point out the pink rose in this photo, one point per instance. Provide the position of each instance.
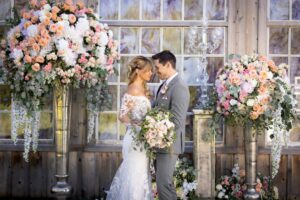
(226, 105)
(48, 68)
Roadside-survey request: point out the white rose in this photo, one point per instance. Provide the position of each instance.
(219, 187)
(220, 195)
(47, 7)
(32, 30)
(233, 102)
(103, 39)
(65, 17)
(250, 102)
(253, 82)
(270, 75)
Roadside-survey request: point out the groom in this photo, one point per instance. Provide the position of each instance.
(172, 95)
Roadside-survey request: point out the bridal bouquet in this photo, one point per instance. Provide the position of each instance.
(55, 45)
(233, 186)
(157, 130)
(252, 89)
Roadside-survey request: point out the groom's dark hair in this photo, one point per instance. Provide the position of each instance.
(164, 57)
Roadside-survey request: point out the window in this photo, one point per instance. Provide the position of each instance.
(283, 46)
(147, 27)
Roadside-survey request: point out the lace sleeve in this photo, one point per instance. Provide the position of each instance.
(125, 105)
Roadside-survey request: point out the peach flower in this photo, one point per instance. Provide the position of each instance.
(27, 24)
(26, 15)
(36, 67)
(36, 47)
(40, 59)
(72, 18)
(55, 10)
(46, 21)
(28, 59)
(254, 115)
(53, 28)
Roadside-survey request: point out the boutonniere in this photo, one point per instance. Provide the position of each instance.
(164, 89)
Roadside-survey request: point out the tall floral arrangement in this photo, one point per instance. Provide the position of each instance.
(54, 45)
(252, 89)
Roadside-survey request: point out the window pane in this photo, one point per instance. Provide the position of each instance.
(215, 9)
(5, 98)
(109, 9)
(108, 126)
(129, 41)
(279, 9)
(194, 93)
(172, 9)
(193, 9)
(279, 60)
(5, 125)
(124, 68)
(172, 40)
(296, 10)
(278, 40)
(113, 92)
(295, 44)
(150, 40)
(216, 38)
(151, 9)
(5, 9)
(130, 9)
(46, 126)
(295, 69)
(191, 70)
(295, 132)
(214, 64)
(188, 42)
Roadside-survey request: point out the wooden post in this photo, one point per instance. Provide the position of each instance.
(204, 154)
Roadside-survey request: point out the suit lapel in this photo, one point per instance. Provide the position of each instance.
(170, 85)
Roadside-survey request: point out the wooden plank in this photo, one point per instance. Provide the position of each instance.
(20, 175)
(36, 176)
(294, 177)
(251, 34)
(218, 169)
(88, 175)
(51, 171)
(73, 171)
(263, 164)
(262, 27)
(5, 174)
(280, 181)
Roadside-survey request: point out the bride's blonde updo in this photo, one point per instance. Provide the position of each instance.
(138, 62)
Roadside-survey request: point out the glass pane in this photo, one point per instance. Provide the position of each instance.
(194, 93)
(295, 132)
(295, 44)
(296, 10)
(5, 9)
(113, 93)
(215, 9)
(189, 128)
(278, 40)
(5, 125)
(109, 9)
(5, 98)
(114, 77)
(124, 68)
(108, 126)
(279, 60)
(193, 9)
(216, 39)
(123, 89)
(130, 9)
(46, 126)
(129, 40)
(188, 42)
(150, 40)
(213, 66)
(191, 70)
(48, 100)
(151, 9)
(172, 9)
(172, 40)
(279, 9)
(295, 69)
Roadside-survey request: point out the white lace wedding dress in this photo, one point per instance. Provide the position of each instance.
(132, 180)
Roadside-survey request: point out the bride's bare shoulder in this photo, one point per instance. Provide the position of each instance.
(134, 91)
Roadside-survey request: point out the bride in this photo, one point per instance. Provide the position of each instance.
(132, 180)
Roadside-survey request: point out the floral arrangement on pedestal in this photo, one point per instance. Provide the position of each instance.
(184, 180)
(252, 89)
(54, 45)
(233, 186)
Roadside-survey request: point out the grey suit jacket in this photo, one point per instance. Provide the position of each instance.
(176, 99)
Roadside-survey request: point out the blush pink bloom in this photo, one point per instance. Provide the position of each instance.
(226, 105)
(36, 67)
(48, 68)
